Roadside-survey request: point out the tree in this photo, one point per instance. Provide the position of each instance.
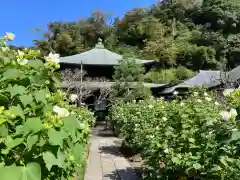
(76, 82)
(129, 77)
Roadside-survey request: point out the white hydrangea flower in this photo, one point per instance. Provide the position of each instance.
(182, 104)
(73, 97)
(217, 103)
(234, 130)
(227, 92)
(199, 100)
(175, 93)
(81, 125)
(208, 99)
(205, 94)
(151, 136)
(164, 118)
(233, 113)
(150, 106)
(225, 115)
(53, 58)
(166, 150)
(9, 36)
(195, 93)
(22, 61)
(62, 112)
(20, 53)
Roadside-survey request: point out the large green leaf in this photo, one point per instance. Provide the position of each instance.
(17, 111)
(31, 140)
(30, 172)
(50, 160)
(3, 131)
(16, 89)
(36, 64)
(37, 79)
(56, 137)
(235, 136)
(27, 100)
(12, 74)
(11, 143)
(78, 152)
(40, 96)
(32, 125)
(71, 124)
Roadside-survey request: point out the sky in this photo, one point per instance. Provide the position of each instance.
(21, 17)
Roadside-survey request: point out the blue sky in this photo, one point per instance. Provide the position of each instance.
(22, 16)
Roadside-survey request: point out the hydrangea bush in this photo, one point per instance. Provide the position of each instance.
(41, 135)
(195, 138)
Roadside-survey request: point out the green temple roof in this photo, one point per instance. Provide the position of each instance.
(97, 56)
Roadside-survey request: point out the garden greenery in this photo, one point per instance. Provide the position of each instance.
(41, 135)
(194, 138)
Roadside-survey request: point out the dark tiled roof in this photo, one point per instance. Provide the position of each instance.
(203, 78)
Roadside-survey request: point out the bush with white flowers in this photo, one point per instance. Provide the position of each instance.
(41, 135)
(195, 138)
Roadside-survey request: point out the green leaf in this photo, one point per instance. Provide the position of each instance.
(36, 64)
(37, 79)
(235, 136)
(41, 142)
(17, 111)
(30, 172)
(78, 152)
(27, 100)
(16, 89)
(3, 131)
(2, 120)
(50, 160)
(176, 160)
(56, 137)
(31, 140)
(40, 96)
(12, 74)
(216, 168)
(71, 124)
(3, 99)
(19, 129)
(223, 161)
(197, 166)
(11, 143)
(32, 125)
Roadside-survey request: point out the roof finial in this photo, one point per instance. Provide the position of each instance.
(99, 44)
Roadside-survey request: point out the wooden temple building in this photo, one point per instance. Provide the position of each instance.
(99, 63)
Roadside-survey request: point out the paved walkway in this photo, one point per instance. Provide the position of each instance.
(105, 162)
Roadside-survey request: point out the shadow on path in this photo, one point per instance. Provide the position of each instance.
(113, 150)
(122, 174)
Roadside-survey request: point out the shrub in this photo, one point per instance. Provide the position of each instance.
(129, 84)
(169, 75)
(42, 136)
(182, 139)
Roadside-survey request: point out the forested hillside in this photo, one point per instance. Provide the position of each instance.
(183, 35)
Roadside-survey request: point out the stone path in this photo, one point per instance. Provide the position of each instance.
(105, 162)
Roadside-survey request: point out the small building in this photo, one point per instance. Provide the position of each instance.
(206, 79)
